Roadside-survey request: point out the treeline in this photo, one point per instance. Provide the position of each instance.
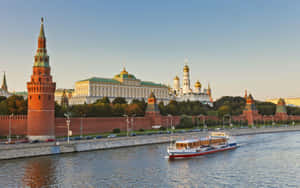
(104, 108)
(13, 105)
(119, 107)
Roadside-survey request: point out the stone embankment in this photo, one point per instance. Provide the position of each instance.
(39, 149)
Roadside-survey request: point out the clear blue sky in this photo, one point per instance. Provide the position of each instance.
(233, 44)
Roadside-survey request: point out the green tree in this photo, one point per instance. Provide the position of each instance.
(119, 100)
(104, 100)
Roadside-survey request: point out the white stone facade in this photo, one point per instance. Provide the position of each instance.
(186, 93)
(122, 85)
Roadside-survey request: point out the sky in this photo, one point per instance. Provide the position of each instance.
(232, 44)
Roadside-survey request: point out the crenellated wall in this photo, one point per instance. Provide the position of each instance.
(18, 125)
(89, 125)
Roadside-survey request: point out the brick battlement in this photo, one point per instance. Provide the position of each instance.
(15, 117)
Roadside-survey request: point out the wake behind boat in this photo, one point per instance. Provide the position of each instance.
(216, 142)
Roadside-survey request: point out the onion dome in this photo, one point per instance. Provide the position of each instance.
(281, 102)
(176, 78)
(197, 84)
(186, 68)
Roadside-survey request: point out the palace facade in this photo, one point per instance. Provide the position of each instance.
(121, 85)
(186, 93)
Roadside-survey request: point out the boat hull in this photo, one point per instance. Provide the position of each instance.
(187, 155)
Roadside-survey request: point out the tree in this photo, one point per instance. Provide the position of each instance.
(134, 109)
(119, 100)
(225, 109)
(104, 100)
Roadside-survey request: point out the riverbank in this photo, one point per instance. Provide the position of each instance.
(31, 150)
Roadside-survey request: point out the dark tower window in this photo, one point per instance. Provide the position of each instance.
(30, 97)
(40, 79)
(49, 97)
(39, 97)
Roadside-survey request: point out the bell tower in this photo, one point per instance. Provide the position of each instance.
(41, 88)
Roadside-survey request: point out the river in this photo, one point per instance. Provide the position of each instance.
(266, 160)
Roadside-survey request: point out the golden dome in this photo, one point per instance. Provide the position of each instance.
(176, 78)
(124, 71)
(198, 84)
(186, 68)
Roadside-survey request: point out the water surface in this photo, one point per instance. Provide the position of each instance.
(268, 160)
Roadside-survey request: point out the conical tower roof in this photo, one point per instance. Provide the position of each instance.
(4, 84)
(42, 33)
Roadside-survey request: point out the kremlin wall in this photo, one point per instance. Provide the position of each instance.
(41, 124)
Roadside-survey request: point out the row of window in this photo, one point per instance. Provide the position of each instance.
(39, 97)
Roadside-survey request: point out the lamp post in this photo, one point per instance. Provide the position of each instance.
(68, 121)
(132, 121)
(9, 128)
(204, 125)
(81, 125)
(169, 115)
(127, 122)
(226, 115)
(273, 121)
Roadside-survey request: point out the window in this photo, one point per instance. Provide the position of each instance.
(39, 97)
(49, 97)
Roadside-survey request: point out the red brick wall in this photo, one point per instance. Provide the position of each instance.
(18, 125)
(100, 125)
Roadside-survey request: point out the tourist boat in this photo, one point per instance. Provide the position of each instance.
(216, 142)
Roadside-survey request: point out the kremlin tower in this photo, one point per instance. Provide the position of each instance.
(41, 88)
(281, 111)
(250, 112)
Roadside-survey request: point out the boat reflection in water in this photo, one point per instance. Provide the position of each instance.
(39, 173)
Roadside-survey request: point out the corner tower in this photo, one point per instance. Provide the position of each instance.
(41, 88)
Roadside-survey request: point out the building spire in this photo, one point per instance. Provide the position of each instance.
(41, 58)
(42, 33)
(4, 84)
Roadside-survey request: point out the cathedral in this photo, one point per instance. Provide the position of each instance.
(186, 93)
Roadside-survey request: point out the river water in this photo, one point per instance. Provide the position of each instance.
(267, 160)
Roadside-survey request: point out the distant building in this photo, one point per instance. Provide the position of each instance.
(186, 93)
(288, 101)
(63, 96)
(121, 85)
(4, 89)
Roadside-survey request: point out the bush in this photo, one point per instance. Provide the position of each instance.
(162, 128)
(117, 130)
(186, 122)
(141, 130)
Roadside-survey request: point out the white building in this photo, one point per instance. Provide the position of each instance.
(122, 85)
(187, 93)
